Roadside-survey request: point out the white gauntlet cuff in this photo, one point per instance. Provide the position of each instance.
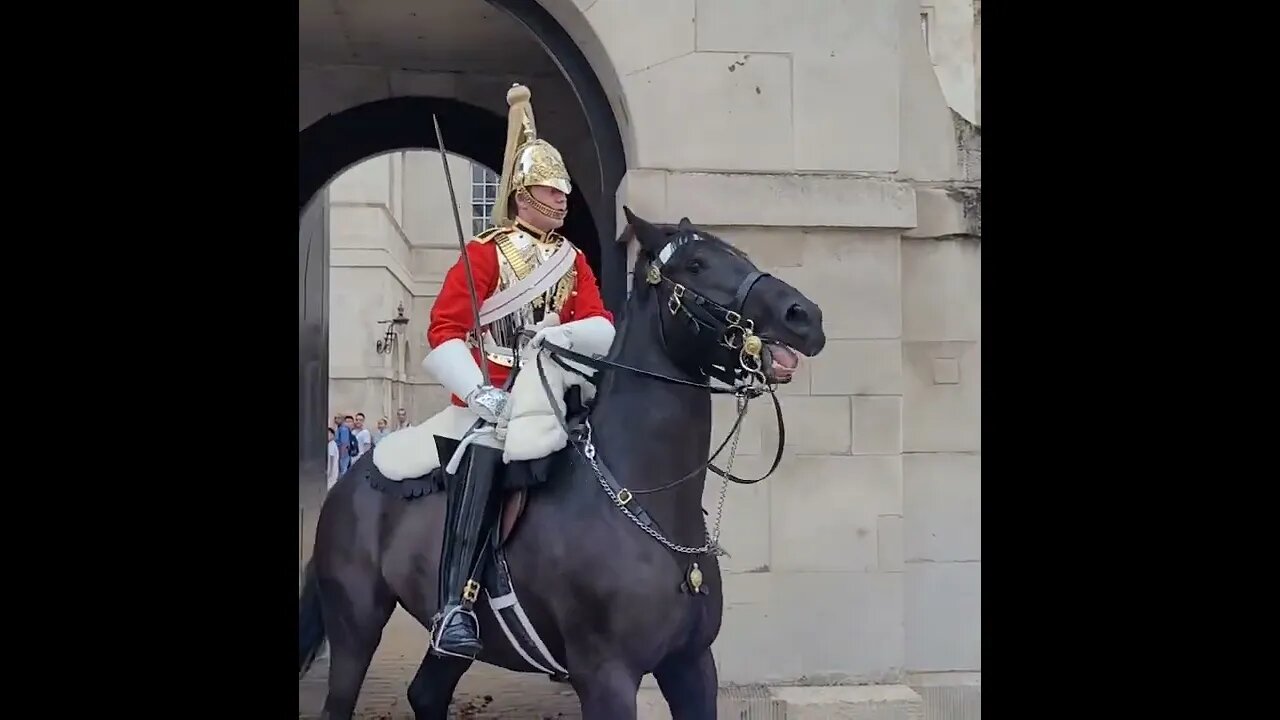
(453, 366)
(590, 336)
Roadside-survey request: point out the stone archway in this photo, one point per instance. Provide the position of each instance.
(349, 122)
(337, 142)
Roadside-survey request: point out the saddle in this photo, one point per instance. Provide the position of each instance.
(513, 486)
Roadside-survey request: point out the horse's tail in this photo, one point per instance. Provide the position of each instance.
(311, 634)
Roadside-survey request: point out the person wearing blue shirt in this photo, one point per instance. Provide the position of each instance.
(344, 444)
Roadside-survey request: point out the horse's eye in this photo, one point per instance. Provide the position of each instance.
(694, 266)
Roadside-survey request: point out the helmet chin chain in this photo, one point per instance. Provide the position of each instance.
(541, 207)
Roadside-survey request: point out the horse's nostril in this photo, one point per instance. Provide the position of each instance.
(797, 314)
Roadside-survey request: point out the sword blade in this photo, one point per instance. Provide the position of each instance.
(462, 247)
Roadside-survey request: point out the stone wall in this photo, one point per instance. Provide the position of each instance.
(822, 142)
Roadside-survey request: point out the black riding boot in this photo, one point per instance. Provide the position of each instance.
(457, 630)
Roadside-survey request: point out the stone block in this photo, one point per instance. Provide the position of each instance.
(889, 543)
(877, 425)
(938, 214)
(744, 527)
(425, 400)
(355, 295)
(853, 277)
(768, 248)
(825, 511)
(949, 695)
(757, 702)
(433, 263)
(645, 192)
(745, 648)
(641, 35)
(724, 413)
(815, 27)
(366, 182)
(359, 226)
(943, 616)
(841, 627)
(818, 627)
(742, 119)
(927, 142)
(815, 425)
(835, 93)
(946, 371)
(858, 367)
(330, 89)
(941, 417)
(845, 73)
(424, 84)
(790, 200)
(941, 290)
(799, 385)
(942, 500)
(872, 702)
(752, 702)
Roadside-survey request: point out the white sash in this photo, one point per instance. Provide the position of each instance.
(524, 290)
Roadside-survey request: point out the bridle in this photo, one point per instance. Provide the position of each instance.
(718, 328)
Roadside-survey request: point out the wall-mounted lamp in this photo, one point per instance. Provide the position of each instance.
(388, 340)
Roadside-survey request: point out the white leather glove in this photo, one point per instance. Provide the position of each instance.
(557, 335)
(588, 336)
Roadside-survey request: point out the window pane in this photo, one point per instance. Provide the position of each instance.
(477, 173)
(490, 192)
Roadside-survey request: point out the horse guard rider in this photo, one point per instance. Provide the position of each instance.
(527, 277)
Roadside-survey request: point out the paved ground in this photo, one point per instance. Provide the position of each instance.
(485, 693)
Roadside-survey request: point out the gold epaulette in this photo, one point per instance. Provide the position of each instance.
(492, 234)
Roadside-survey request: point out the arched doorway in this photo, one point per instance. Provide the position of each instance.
(337, 142)
(346, 131)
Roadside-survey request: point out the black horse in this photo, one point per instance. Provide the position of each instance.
(617, 581)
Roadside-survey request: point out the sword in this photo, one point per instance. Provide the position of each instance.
(462, 246)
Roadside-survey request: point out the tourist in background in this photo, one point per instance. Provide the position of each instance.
(381, 432)
(331, 462)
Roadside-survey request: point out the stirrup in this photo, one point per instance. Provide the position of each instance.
(437, 632)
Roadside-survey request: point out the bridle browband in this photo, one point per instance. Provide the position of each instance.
(716, 327)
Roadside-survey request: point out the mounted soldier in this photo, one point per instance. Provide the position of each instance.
(519, 274)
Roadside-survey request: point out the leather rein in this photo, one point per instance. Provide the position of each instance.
(715, 326)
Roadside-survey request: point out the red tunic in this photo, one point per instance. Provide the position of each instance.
(452, 316)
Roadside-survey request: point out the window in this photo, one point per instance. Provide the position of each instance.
(484, 191)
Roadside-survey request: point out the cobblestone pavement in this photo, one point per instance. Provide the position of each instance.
(485, 693)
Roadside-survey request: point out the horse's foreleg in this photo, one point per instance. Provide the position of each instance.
(606, 691)
(688, 682)
(432, 687)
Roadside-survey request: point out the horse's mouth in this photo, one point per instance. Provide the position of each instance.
(782, 361)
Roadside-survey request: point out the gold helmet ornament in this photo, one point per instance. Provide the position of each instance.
(527, 160)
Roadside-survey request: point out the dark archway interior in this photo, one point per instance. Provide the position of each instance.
(339, 141)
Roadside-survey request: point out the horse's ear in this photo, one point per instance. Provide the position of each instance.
(651, 238)
(685, 225)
